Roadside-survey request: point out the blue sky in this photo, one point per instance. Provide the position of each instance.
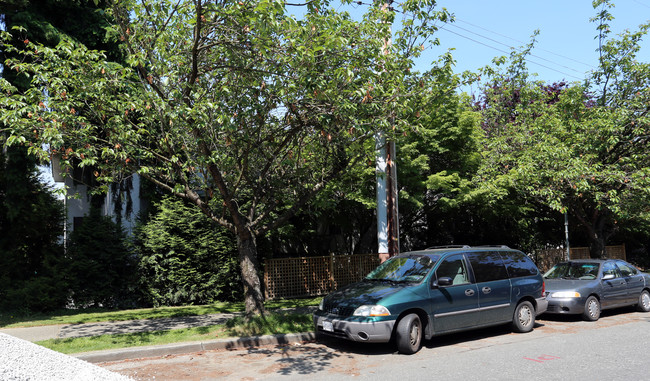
(566, 48)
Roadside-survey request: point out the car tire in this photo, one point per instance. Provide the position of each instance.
(592, 309)
(644, 301)
(409, 334)
(523, 319)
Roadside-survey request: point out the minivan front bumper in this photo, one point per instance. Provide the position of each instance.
(362, 331)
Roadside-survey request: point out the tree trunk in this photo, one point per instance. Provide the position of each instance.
(599, 228)
(249, 265)
(596, 245)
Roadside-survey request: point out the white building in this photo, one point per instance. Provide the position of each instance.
(78, 200)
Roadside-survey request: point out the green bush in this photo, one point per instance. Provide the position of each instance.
(32, 264)
(186, 259)
(46, 289)
(102, 269)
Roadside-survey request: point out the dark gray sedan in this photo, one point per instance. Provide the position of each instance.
(587, 286)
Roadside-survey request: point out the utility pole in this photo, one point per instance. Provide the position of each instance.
(387, 211)
(387, 200)
(566, 235)
(392, 198)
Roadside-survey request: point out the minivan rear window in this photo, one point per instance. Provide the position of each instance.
(518, 264)
(487, 266)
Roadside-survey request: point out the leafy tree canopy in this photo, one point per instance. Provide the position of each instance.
(576, 148)
(235, 101)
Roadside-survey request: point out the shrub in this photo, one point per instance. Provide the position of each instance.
(186, 259)
(102, 269)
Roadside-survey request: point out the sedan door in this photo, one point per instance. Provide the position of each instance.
(633, 279)
(614, 290)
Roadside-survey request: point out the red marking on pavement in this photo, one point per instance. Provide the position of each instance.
(543, 358)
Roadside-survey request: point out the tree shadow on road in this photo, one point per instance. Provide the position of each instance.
(324, 354)
(297, 359)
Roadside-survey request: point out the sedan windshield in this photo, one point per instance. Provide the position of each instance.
(403, 269)
(573, 270)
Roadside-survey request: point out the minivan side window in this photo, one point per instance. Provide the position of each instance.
(487, 266)
(518, 264)
(453, 267)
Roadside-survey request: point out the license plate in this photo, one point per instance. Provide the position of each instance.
(328, 326)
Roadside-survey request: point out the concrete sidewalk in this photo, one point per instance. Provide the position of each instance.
(63, 331)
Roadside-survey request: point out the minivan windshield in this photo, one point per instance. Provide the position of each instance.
(412, 268)
(573, 270)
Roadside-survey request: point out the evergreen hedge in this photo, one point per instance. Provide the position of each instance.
(185, 258)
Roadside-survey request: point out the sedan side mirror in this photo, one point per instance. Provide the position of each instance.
(608, 277)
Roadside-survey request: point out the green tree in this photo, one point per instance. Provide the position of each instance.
(436, 163)
(238, 108)
(32, 266)
(183, 259)
(579, 148)
(101, 268)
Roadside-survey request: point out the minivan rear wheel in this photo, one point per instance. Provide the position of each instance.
(524, 317)
(409, 334)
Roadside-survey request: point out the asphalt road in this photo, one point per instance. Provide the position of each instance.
(563, 348)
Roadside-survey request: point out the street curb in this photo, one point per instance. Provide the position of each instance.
(189, 347)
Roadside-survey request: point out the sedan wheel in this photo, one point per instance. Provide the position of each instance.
(592, 309)
(644, 302)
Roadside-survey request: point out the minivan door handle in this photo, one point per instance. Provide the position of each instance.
(469, 292)
(486, 290)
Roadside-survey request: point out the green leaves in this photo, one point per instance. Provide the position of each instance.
(240, 107)
(184, 259)
(562, 147)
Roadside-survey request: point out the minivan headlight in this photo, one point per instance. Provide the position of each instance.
(565, 294)
(375, 310)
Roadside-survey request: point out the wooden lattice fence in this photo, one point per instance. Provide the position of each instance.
(545, 259)
(313, 276)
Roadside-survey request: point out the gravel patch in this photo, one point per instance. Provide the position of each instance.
(21, 360)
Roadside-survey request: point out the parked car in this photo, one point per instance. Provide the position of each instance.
(587, 286)
(416, 295)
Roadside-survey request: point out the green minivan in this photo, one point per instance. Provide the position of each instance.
(440, 290)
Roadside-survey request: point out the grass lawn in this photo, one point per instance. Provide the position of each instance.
(16, 320)
(273, 323)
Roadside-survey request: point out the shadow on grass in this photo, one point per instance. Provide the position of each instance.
(91, 315)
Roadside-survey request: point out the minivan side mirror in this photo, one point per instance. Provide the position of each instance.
(442, 282)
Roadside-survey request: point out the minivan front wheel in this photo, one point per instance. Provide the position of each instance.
(524, 317)
(409, 334)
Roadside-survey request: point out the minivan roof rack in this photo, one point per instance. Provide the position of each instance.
(449, 247)
(464, 246)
